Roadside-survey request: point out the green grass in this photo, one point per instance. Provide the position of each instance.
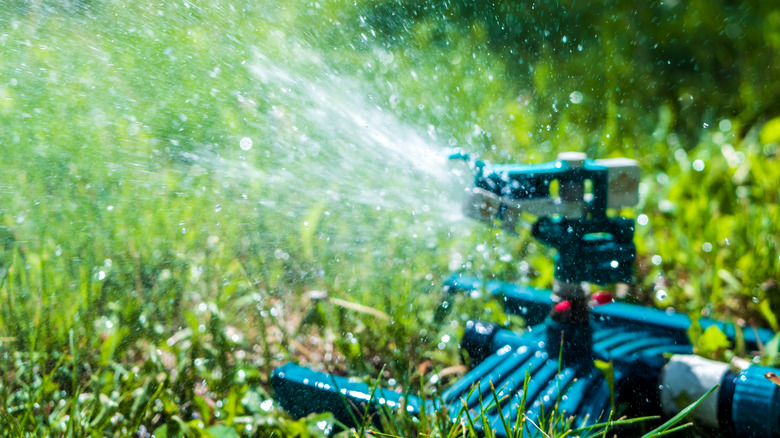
(153, 271)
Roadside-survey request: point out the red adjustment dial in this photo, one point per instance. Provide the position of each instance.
(600, 298)
(563, 306)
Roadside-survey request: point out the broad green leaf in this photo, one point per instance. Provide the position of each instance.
(770, 132)
(712, 341)
(161, 432)
(221, 431)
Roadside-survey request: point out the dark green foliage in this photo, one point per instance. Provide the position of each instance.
(708, 60)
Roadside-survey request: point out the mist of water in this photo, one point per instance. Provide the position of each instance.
(319, 136)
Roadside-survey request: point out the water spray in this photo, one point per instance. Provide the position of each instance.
(576, 203)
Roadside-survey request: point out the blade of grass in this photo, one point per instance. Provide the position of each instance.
(366, 417)
(536, 426)
(504, 420)
(662, 429)
(609, 424)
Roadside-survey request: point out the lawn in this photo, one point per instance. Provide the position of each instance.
(195, 192)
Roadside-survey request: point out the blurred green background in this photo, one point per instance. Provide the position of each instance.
(193, 192)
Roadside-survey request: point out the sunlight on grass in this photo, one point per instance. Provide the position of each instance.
(178, 178)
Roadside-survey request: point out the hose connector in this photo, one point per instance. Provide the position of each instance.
(756, 406)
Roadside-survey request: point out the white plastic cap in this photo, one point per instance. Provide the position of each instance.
(573, 159)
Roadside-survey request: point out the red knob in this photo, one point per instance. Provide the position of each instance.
(563, 307)
(603, 297)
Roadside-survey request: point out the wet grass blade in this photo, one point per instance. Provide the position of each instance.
(667, 426)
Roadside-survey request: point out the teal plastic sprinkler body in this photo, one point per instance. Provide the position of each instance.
(569, 329)
(592, 246)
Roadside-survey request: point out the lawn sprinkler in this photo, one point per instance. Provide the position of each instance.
(584, 355)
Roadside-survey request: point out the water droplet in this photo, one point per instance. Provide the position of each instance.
(642, 219)
(656, 260)
(660, 295)
(245, 143)
(706, 247)
(575, 97)
(386, 58)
